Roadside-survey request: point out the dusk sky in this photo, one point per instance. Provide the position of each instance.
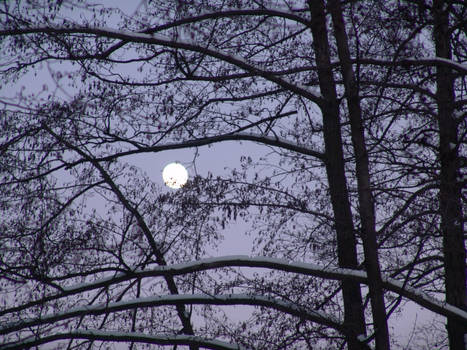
(410, 327)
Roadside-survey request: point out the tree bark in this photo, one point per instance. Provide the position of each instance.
(450, 189)
(366, 205)
(346, 241)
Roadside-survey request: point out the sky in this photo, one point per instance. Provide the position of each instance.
(216, 160)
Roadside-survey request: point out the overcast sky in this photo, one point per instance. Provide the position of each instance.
(213, 159)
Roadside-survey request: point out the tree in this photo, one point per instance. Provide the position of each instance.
(371, 158)
(450, 188)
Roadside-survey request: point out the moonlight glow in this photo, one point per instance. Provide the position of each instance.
(175, 175)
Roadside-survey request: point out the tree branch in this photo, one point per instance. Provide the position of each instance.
(333, 273)
(161, 339)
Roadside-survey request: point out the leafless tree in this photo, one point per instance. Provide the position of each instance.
(361, 106)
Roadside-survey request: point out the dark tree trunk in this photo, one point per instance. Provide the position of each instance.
(450, 189)
(346, 241)
(366, 205)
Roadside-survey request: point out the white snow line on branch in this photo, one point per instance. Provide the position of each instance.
(164, 300)
(334, 273)
(158, 39)
(159, 339)
(423, 299)
(225, 261)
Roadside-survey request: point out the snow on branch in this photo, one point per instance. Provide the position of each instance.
(158, 339)
(333, 273)
(275, 11)
(181, 299)
(426, 61)
(201, 265)
(165, 41)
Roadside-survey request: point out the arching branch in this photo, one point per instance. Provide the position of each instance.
(158, 339)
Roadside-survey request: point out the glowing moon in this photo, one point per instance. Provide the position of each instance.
(175, 175)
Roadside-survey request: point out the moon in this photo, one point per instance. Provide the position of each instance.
(175, 175)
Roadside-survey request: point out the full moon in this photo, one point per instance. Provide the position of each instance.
(175, 175)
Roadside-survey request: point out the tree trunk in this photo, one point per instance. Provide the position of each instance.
(366, 205)
(346, 241)
(450, 189)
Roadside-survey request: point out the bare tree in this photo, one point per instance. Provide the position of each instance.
(450, 202)
(361, 185)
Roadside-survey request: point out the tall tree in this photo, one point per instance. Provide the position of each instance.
(349, 194)
(365, 193)
(346, 241)
(450, 187)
